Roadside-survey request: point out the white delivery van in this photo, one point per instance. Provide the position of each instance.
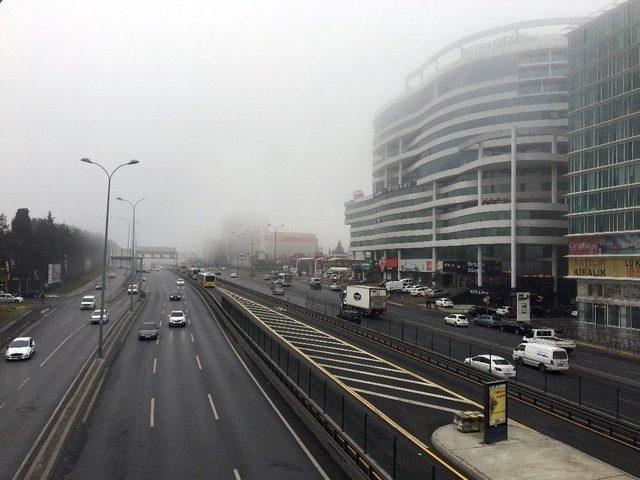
(542, 356)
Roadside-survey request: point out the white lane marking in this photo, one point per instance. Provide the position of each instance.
(192, 339)
(347, 362)
(23, 334)
(160, 322)
(236, 474)
(23, 384)
(157, 339)
(295, 436)
(163, 311)
(307, 337)
(336, 367)
(406, 400)
(186, 310)
(152, 420)
(357, 357)
(350, 350)
(295, 331)
(188, 321)
(2, 406)
(213, 407)
(62, 343)
(402, 389)
(155, 362)
(199, 364)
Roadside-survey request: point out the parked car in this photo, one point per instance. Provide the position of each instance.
(88, 302)
(148, 330)
(506, 311)
(543, 357)
(436, 293)
(335, 287)
(267, 276)
(8, 298)
(277, 290)
(480, 310)
(417, 290)
(20, 349)
(539, 312)
(492, 364)
(515, 326)
(457, 320)
(233, 275)
(490, 321)
(175, 296)
(444, 303)
(315, 283)
(99, 286)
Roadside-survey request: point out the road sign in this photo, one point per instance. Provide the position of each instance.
(523, 305)
(486, 300)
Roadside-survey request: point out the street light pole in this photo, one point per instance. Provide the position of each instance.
(128, 238)
(106, 236)
(252, 234)
(133, 244)
(275, 243)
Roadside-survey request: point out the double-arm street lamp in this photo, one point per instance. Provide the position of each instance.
(106, 236)
(133, 242)
(275, 242)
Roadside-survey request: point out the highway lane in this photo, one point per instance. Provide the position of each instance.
(422, 424)
(601, 380)
(31, 389)
(185, 407)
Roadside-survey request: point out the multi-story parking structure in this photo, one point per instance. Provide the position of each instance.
(604, 166)
(468, 165)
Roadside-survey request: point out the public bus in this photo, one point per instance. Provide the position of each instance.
(286, 279)
(207, 279)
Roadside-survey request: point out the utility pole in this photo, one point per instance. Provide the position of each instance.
(275, 243)
(252, 234)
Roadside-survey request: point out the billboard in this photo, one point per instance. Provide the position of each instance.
(617, 244)
(55, 273)
(605, 267)
(417, 265)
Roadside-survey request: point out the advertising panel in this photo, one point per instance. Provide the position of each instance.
(497, 404)
(523, 306)
(605, 267)
(416, 265)
(617, 244)
(55, 273)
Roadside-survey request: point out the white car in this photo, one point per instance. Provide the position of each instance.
(492, 364)
(234, 275)
(180, 282)
(132, 290)
(335, 287)
(574, 313)
(418, 291)
(444, 303)
(457, 320)
(88, 302)
(20, 349)
(95, 316)
(8, 298)
(177, 319)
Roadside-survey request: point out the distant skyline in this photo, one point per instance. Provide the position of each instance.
(232, 107)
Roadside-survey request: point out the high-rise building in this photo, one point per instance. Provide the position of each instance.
(468, 174)
(604, 166)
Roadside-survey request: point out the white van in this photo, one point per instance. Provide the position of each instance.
(543, 357)
(88, 302)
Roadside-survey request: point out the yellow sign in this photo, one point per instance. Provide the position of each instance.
(626, 267)
(497, 404)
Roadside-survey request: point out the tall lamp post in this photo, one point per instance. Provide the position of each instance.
(106, 236)
(133, 242)
(237, 248)
(252, 234)
(275, 243)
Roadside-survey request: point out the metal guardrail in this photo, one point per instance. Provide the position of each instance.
(608, 425)
(343, 441)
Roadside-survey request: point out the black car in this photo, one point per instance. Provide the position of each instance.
(480, 310)
(350, 315)
(175, 296)
(490, 321)
(514, 326)
(539, 312)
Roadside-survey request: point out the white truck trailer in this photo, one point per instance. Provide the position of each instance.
(369, 300)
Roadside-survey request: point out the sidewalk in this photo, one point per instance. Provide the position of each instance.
(526, 455)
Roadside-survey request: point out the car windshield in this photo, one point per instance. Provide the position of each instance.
(87, 299)
(176, 314)
(500, 361)
(462, 317)
(19, 344)
(148, 326)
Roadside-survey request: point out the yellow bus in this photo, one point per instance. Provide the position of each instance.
(206, 279)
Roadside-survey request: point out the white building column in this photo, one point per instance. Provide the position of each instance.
(554, 267)
(434, 221)
(554, 183)
(480, 155)
(386, 176)
(514, 153)
(399, 259)
(479, 281)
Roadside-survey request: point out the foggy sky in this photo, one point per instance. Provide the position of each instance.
(234, 106)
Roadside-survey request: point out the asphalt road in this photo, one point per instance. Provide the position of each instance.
(423, 421)
(599, 379)
(31, 389)
(184, 406)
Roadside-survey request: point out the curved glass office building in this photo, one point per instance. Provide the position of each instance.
(468, 174)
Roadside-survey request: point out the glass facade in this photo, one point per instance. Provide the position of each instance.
(604, 158)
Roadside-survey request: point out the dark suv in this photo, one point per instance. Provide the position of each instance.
(315, 283)
(175, 297)
(514, 326)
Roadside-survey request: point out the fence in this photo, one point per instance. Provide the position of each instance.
(393, 452)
